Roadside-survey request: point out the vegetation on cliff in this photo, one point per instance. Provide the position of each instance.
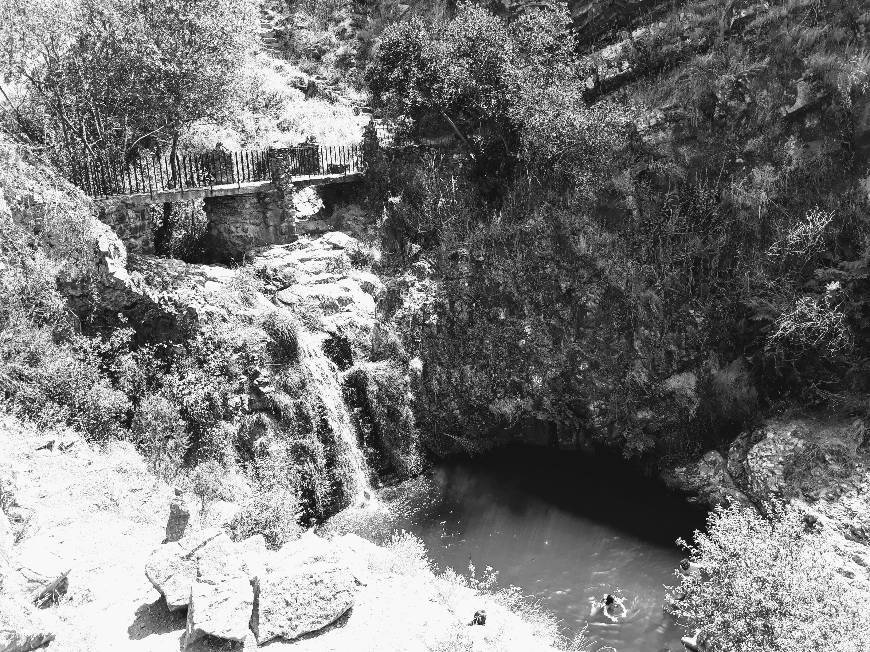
(648, 239)
(645, 243)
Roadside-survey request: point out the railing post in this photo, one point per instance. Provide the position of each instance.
(150, 175)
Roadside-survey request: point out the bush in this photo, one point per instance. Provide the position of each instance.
(386, 344)
(209, 482)
(273, 509)
(283, 328)
(768, 585)
(160, 434)
(59, 382)
(385, 391)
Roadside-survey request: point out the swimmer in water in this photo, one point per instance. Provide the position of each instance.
(611, 607)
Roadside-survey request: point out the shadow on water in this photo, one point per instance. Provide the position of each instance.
(604, 488)
(564, 527)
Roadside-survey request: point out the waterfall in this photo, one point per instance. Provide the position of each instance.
(321, 376)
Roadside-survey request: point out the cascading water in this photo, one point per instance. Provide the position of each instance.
(321, 375)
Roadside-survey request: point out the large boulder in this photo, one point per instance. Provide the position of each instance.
(338, 240)
(222, 596)
(253, 554)
(790, 457)
(172, 567)
(766, 462)
(705, 481)
(302, 592)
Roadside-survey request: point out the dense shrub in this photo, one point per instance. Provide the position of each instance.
(210, 482)
(273, 508)
(51, 382)
(768, 585)
(160, 433)
(283, 328)
(706, 216)
(385, 391)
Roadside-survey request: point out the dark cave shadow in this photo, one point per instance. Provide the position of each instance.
(156, 618)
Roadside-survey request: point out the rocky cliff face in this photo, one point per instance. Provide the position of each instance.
(823, 467)
(662, 313)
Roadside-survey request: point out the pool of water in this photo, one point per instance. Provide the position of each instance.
(565, 528)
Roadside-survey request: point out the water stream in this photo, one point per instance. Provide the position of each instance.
(564, 528)
(322, 377)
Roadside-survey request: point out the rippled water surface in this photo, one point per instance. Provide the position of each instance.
(564, 528)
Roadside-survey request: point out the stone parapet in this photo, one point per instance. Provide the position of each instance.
(240, 223)
(130, 221)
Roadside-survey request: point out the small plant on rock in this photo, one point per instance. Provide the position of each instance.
(283, 328)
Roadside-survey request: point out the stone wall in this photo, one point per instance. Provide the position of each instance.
(130, 222)
(239, 223)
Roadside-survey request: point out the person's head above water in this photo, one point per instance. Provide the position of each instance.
(608, 600)
(684, 564)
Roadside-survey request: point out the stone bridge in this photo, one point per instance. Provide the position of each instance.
(247, 196)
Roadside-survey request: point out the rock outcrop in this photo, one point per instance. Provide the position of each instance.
(232, 589)
(822, 467)
(316, 275)
(172, 567)
(179, 517)
(222, 595)
(302, 594)
(706, 481)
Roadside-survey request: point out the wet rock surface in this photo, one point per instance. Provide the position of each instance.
(706, 481)
(316, 276)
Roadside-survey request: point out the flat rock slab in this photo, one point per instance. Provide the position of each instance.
(298, 596)
(172, 567)
(222, 596)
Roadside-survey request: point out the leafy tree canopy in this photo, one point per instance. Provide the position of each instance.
(120, 75)
(508, 91)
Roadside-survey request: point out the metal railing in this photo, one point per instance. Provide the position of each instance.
(151, 175)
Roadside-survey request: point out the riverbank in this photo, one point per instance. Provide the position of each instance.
(99, 512)
(566, 528)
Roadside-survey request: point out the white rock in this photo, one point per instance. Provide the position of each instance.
(338, 240)
(171, 568)
(253, 553)
(22, 627)
(221, 597)
(220, 513)
(767, 460)
(302, 593)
